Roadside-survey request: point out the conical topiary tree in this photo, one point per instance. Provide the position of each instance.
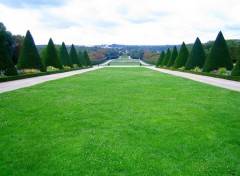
(219, 56)
(166, 58)
(6, 64)
(197, 56)
(236, 68)
(51, 56)
(160, 59)
(172, 57)
(81, 59)
(87, 59)
(74, 56)
(29, 57)
(182, 57)
(64, 56)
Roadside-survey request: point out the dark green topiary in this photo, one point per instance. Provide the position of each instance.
(236, 68)
(219, 56)
(87, 59)
(74, 56)
(81, 59)
(182, 57)
(166, 58)
(51, 56)
(6, 64)
(197, 56)
(172, 57)
(29, 57)
(160, 60)
(64, 56)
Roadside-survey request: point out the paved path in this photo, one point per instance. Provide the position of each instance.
(228, 84)
(18, 84)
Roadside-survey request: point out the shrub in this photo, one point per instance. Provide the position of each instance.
(172, 57)
(197, 56)
(160, 60)
(166, 58)
(182, 57)
(65, 67)
(51, 57)
(64, 56)
(28, 71)
(51, 68)
(29, 57)
(75, 66)
(7, 67)
(74, 56)
(236, 69)
(219, 56)
(222, 71)
(197, 69)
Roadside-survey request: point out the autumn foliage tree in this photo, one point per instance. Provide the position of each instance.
(29, 56)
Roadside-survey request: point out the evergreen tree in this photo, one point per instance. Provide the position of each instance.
(81, 59)
(166, 58)
(29, 57)
(6, 64)
(182, 57)
(64, 56)
(160, 59)
(197, 56)
(219, 56)
(236, 68)
(51, 56)
(87, 59)
(172, 57)
(74, 56)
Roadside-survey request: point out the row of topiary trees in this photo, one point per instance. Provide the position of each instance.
(30, 59)
(219, 57)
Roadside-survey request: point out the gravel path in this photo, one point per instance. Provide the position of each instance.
(18, 84)
(228, 84)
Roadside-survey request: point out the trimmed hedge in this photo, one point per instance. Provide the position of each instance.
(172, 57)
(219, 56)
(51, 57)
(197, 56)
(236, 68)
(6, 63)
(87, 59)
(29, 57)
(64, 56)
(182, 57)
(161, 57)
(74, 56)
(166, 58)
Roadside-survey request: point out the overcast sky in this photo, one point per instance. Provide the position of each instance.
(149, 22)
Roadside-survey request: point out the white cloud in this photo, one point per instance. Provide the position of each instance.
(123, 21)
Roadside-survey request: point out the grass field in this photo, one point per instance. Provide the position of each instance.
(124, 63)
(120, 121)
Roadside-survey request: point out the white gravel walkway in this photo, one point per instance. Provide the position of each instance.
(228, 84)
(18, 84)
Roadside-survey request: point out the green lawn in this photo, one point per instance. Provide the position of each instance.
(120, 121)
(124, 63)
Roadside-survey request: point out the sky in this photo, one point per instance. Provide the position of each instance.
(131, 22)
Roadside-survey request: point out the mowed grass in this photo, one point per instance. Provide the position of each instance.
(120, 121)
(124, 63)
